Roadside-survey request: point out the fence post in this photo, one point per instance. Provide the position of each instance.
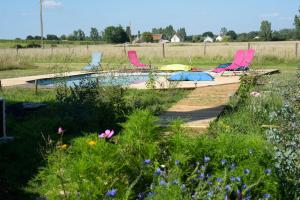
(17, 49)
(0, 85)
(164, 53)
(204, 50)
(124, 48)
(296, 50)
(249, 45)
(87, 46)
(36, 86)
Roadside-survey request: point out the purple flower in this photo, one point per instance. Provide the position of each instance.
(244, 186)
(111, 193)
(247, 171)
(147, 161)
(238, 179)
(227, 187)
(149, 194)
(201, 176)
(267, 196)
(209, 194)
(158, 171)
(268, 171)
(232, 166)
(219, 180)
(60, 131)
(140, 195)
(202, 167)
(223, 161)
(206, 159)
(198, 171)
(175, 182)
(208, 175)
(162, 182)
(177, 162)
(107, 134)
(197, 163)
(232, 178)
(209, 183)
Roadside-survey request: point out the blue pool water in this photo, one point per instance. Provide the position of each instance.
(123, 79)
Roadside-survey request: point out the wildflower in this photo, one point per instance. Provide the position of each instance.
(107, 134)
(60, 131)
(177, 162)
(111, 193)
(201, 176)
(227, 187)
(238, 179)
(226, 197)
(208, 175)
(158, 171)
(250, 151)
(163, 166)
(255, 94)
(63, 146)
(244, 186)
(197, 163)
(268, 171)
(246, 171)
(175, 182)
(210, 193)
(162, 182)
(232, 179)
(147, 161)
(223, 161)
(149, 194)
(202, 167)
(232, 166)
(92, 142)
(183, 187)
(140, 195)
(267, 196)
(206, 159)
(209, 183)
(219, 180)
(197, 171)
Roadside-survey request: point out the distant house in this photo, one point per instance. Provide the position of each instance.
(219, 38)
(157, 37)
(176, 39)
(256, 38)
(208, 39)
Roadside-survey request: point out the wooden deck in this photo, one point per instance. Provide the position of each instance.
(201, 106)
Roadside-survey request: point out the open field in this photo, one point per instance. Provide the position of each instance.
(40, 61)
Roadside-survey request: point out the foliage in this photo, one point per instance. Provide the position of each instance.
(115, 35)
(94, 34)
(223, 31)
(297, 25)
(265, 31)
(231, 34)
(286, 140)
(209, 33)
(128, 32)
(182, 33)
(52, 37)
(147, 37)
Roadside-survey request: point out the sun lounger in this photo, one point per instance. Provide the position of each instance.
(134, 60)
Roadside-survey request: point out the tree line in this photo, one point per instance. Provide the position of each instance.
(118, 34)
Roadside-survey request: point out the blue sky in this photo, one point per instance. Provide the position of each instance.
(20, 18)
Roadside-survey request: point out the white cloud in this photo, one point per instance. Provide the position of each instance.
(52, 4)
(269, 15)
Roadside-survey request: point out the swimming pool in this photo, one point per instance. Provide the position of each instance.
(105, 79)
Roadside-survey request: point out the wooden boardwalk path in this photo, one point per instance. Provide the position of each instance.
(201, 106)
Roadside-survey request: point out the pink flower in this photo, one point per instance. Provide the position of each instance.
(60, 131)
(107, 134)
(255, 94)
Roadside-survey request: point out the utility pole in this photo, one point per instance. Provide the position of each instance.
(42, 26)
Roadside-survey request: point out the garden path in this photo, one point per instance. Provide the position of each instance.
(201, 106)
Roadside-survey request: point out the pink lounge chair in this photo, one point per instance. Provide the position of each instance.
(247, 59)
(132, 56)
(236, 63)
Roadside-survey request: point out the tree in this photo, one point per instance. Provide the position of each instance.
(265, 30)
(181, 32)
(128, 32)
(81, 35)
(208, 33)
(242, 37)
(223, 31)
(29, 37)
(147, 37)
(169, 32)
(157, 30)
(232, 35)
(63, 37)
(297, 25)
(52, 37)
(94, 34)
(115, 35)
